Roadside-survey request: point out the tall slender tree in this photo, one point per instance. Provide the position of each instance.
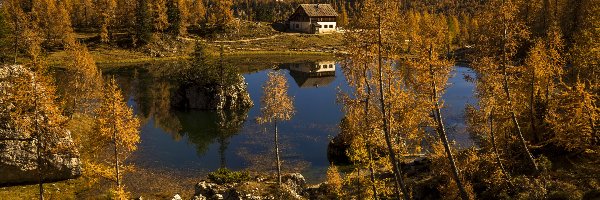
(117, 124)
(276, 106)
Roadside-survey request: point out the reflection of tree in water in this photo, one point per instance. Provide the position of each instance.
(206, 127)
(153, 88)
(259, 154)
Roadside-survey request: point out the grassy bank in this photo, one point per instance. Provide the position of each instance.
(171, 49)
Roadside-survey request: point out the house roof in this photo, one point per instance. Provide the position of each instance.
(319, 10)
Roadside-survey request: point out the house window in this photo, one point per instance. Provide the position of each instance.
(330, 66)
(297, 25)
(330, 26)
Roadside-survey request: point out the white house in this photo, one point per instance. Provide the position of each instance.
(313, 18)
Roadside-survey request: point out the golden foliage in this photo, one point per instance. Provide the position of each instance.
(276, 104)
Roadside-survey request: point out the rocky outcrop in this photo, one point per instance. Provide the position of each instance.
(18, 163)
(212, 96)
(18, 148)
(293, 187)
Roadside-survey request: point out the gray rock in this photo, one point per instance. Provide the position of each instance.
(199, 197)
(176, 197)
(295, 182)
(18, 153)
(217, 197)
(209, 189)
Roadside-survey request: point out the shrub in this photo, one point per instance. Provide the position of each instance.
(224, 175)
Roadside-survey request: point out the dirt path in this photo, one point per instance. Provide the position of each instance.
(243, 40)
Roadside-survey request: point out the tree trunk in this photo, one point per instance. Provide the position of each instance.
(442, 131)
(372, 171)
(116, 148)
(508, 98)
(496, 152)
(16, 44)
(398, 179)
(277, 155)
(534, 132)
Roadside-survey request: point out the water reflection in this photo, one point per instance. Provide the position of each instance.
(189, 140)
(311, 74)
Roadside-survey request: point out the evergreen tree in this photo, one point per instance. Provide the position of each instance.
(143, 30)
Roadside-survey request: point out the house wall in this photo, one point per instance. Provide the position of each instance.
(300, 26)
(325, 27)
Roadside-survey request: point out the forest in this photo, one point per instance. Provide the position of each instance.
(535, 123)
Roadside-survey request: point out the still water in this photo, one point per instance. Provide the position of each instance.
(197, 141)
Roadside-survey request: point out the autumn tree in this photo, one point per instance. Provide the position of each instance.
(160, 15)
(501, 36)
(197, 13)
(85, 80)
(144, 22)
(221, 14)
(432, 37)
(276, 106)
(117, 124)
(107, 16)
(178, 14)
(4, 37)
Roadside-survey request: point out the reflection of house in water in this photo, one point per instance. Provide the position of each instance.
(312, 74)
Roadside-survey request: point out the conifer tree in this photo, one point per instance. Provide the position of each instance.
(160, 16)
(143, 29)
(276, 106)
(117, 124)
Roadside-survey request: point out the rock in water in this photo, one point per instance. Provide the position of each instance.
(212, 96)
(18, 152)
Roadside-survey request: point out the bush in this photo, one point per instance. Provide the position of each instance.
(224, 175)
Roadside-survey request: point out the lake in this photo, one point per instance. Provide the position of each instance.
(194, 141)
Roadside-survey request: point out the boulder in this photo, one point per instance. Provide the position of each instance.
(199, 197)
(18, 149)
(295, 182)
(208, 189)
(176, 197)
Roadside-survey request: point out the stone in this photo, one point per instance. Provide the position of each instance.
(295, 182)
(176, 197)
(206, 189)
(217, 197)
(199, 197)
(18, 154)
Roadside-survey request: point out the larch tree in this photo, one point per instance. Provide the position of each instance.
(197, 13)
(160, 15)
(107, 9)
(117, 124)
(144, 23)
(377, 32)
(276, 106)
(501, 35)
(86, 80)
(429, 45)
(221, 14)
